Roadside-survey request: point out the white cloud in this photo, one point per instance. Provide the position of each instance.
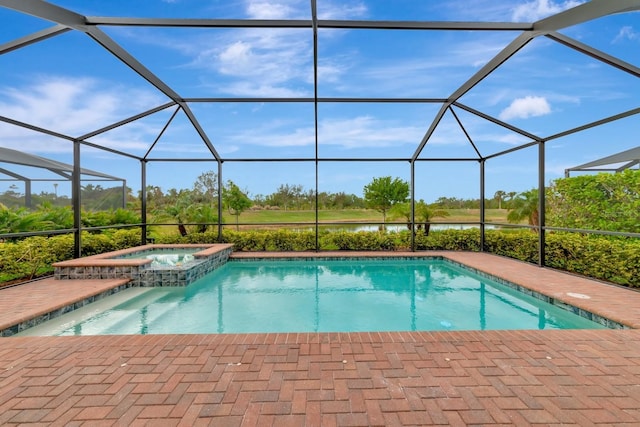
(257, 62)
(343, 10)
(300, 9)
(72, 107)
(349, 133)
(250, 89)
(529, 106)
(627, 32)
(537, 9)
(367, 131)
(271, 62)
(271, 9)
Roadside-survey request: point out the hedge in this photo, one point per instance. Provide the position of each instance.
(612, 259)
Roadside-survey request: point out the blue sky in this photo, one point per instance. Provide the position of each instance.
(69, 84)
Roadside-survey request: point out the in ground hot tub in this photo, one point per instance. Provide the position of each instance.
(149, 265)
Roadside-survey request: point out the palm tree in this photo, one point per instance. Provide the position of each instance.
(423, 213)
(509, 197)
(499, 196)
(19, 220)
(203, 214)
(401, 210)
(426, 213)
(179, 210)
(525, 205)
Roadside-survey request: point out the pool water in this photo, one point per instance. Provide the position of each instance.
(165, 258)
(329, 296)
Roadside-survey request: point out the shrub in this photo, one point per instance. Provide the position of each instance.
(607, 258)
(450, 240)
(362, 241)
(519, 244)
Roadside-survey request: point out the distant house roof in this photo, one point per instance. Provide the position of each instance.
(8, 155)
(614, 163)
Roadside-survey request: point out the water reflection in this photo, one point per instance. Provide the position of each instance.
(332, 296)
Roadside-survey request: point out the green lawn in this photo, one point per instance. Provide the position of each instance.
(354, 215)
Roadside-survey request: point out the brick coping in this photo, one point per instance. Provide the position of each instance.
(111, 258)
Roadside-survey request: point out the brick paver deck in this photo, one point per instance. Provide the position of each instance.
(570, 377)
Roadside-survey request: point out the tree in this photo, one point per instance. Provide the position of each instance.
(423, 213)
(179, 210)
(286, 196)
(525, 206)
(206, 187)
(426, 213)
(604, 201)
(510, 196)
(382, 193)
(235, 200)
(499, 196)
(401, 210)
(203, 214)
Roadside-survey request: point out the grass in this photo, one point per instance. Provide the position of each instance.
(363, 216)
(355, 215)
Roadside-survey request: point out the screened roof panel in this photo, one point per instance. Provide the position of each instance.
(135, 137)
(37, 167)
(402, 63)
(19, 138)
(627, 156)
(84, 90)
(17, 25)
(180, 140)
(546, 88)
(589, 145)
(163, 9)
(259, 130)
(216, 62)
(617, 35)
(488, 137)
(372, 130)
(448, 140)
(411, 10)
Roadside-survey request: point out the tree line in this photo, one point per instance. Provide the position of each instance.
(599, 202)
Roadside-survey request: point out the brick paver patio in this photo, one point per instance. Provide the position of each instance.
(570, 377)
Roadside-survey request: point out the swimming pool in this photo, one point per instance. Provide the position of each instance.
(322, 295)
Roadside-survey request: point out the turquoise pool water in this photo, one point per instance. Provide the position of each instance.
(329, 296)
(174, 257)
